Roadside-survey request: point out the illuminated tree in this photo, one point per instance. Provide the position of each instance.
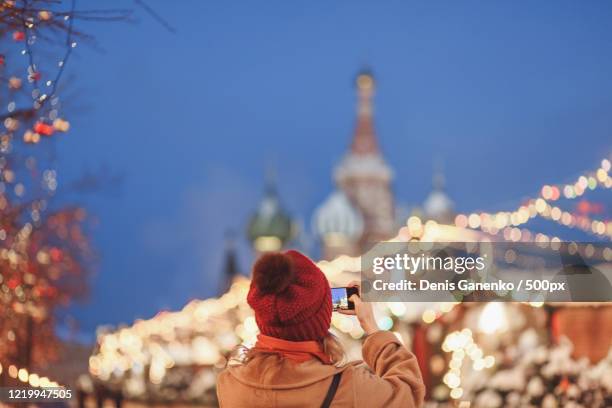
(45, 255)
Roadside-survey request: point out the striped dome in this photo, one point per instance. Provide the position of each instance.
(338, 217)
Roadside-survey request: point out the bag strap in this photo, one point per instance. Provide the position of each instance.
(331, 392)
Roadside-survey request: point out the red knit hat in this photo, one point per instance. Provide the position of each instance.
(290, 296)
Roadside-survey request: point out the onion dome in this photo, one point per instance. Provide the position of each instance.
(438, 206)
(338, 219)
(270, 227)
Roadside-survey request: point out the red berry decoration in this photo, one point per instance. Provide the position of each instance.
(43, 128)
(18, 36)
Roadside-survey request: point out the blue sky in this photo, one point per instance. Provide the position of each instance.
(512, 95)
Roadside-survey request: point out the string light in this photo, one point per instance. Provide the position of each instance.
(541, 207)
(461, 344)
(31, 379)
(159, 342)
(35, 20)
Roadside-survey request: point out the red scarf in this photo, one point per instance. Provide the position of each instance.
(298, 351)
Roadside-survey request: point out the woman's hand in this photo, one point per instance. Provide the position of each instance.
(363, 311)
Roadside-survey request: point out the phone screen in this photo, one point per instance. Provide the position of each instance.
(340, 298)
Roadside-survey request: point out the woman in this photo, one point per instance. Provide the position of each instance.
(296, 362)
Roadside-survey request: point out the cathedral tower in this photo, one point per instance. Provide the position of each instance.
(362, 211)
(363, 174)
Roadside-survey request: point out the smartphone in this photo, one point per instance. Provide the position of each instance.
(340, 298)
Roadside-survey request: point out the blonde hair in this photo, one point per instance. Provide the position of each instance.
(334, 350)
(331, 347)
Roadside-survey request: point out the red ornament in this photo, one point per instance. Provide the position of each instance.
(34, 76)
(55, 254)
(583, 207)
(18, 35)
(43, 128)
(1, 59)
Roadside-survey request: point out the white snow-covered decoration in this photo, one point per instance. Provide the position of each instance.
(546, 376)
(337, 216)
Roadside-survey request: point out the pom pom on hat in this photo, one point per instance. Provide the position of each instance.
(273, 273)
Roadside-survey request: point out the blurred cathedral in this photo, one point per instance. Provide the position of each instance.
(362, 209)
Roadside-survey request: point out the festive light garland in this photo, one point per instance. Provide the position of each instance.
(39, 247)
(493, 223)
(431, 231)
(159, 344)
(31, 379)
(589, 181)
(48, 122)
(461, 344)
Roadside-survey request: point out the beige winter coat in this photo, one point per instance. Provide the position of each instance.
(393, 379)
